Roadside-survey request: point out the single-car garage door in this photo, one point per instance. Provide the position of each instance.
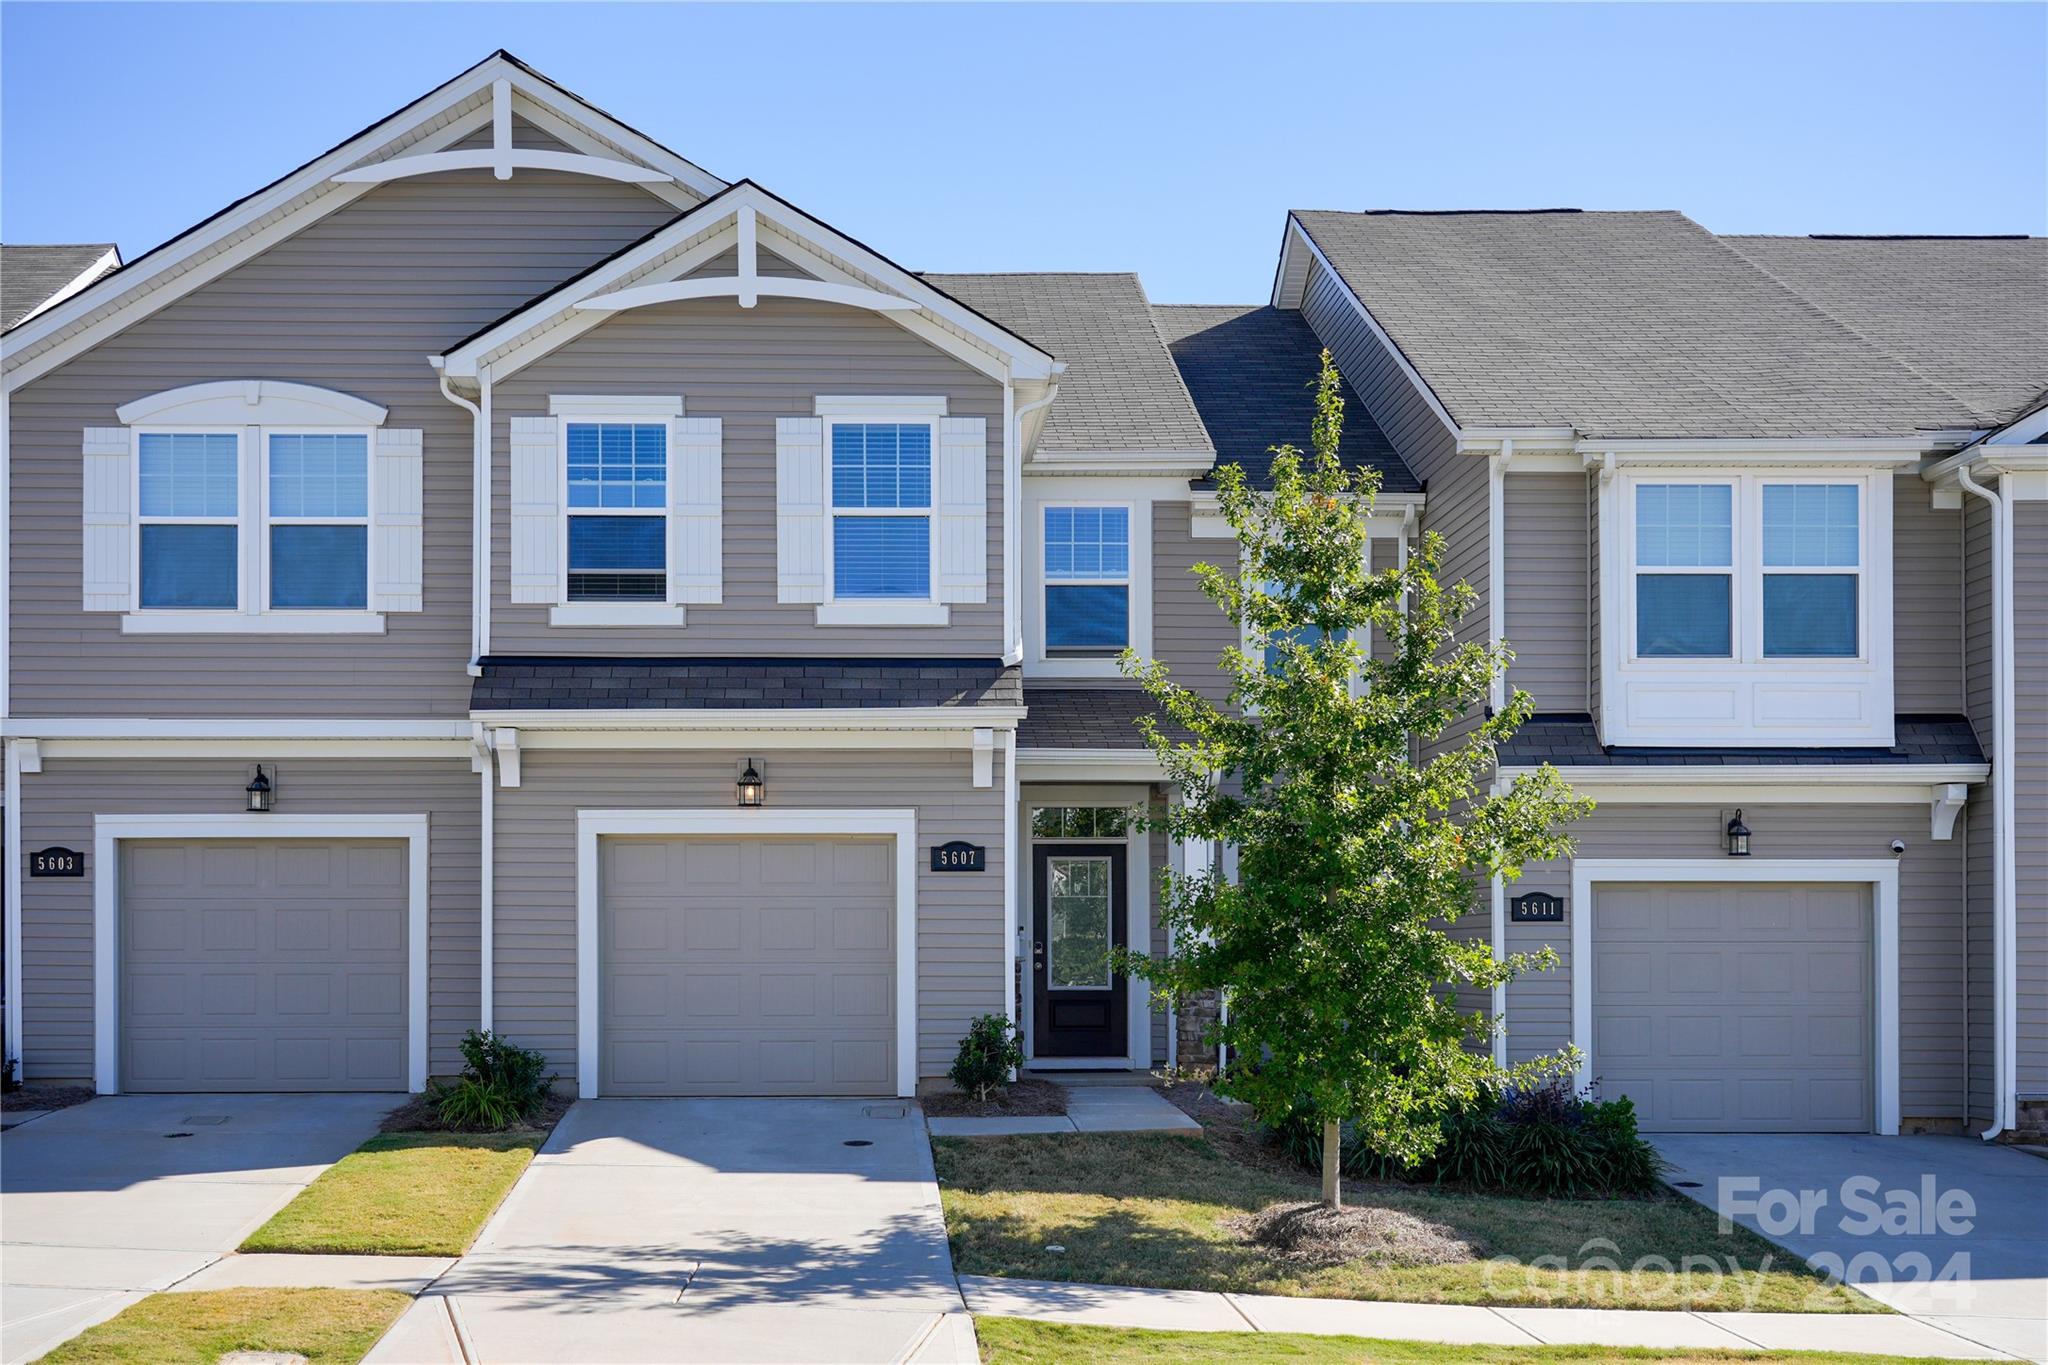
(748, 966)
(251, 964)
(1735, 1007)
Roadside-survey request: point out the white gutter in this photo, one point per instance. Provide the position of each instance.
(2004, 846)
(487, 985)
(479, 506)
(1012, 870)
(12, 880)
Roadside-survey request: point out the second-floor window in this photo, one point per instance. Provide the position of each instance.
(1748, 568)
(618, 511)
(306, 544)
(881, 484)
(1087, 580)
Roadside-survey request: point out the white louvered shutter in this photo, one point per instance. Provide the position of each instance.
(536, 509)
(800, 510)
(696, 475)
(109, 519)
(960, 501)
(401, 474)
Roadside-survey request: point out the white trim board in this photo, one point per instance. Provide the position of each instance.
(110, 830)
(1881, 877)
(591, 825)
(1089, 765)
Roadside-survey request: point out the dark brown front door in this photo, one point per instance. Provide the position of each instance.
(1080, 901)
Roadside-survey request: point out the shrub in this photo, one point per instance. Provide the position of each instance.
(501, 1084)
(989, 1052)
(1548, 1141)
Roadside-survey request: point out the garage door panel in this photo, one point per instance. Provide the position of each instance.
(748, 967)
(1762, 1025)
(263, 965)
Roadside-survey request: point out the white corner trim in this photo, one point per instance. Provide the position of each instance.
(618, 406)
(591, 825)
(882, 611)
(252, 623)
(642, 615)
(110, 830)
(1946, 801)
(252, 402)
(1881, 877)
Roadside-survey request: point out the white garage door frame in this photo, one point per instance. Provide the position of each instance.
(1881, 877)
(592, 825)
(110, 830)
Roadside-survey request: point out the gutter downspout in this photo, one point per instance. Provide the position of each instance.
(1013, 482)
(487, 976)
(479, 549)
(2003, 833)
(1013, 868)
(12, 879)
(1497, 700)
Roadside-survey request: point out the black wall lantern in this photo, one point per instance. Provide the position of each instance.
(753, 790)
(261, 797)
(1738, 837)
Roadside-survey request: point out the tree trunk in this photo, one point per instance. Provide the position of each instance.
(1333, 1159)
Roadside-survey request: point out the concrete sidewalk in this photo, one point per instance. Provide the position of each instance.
(1183, 1310)
(111, 1200)
(1090, 1109)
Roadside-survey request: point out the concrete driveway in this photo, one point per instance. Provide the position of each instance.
(125, 1195)
(712, 1230)
(1951, 1230)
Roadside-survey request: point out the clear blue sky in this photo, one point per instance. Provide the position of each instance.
(1164, 139)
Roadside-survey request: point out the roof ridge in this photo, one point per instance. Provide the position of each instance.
(1851, 329)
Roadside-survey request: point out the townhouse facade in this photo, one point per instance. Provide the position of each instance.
(503, 575)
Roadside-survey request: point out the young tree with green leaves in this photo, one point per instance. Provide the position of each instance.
(1353, 857)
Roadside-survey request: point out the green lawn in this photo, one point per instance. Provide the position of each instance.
(1148, 1209)
(1015, 1341)
(326, 1326)
(402, 1194)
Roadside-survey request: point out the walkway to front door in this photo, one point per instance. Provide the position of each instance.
(719, 1230)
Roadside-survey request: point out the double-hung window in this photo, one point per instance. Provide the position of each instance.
(1812, 564)
(317, 494)
(1685, 570)
(1087, 580)
(617, 511)
(188, 530)
(881, 481)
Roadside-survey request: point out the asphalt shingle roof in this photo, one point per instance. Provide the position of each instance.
(1089, 718)
(1251, 371)
(1570, 740)
(520, 684)
(1121, 391)
(1969, 313)
(1619, 324)
(31, 275)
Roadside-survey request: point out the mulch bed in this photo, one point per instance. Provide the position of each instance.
(1315, 1234)
(1023, 1099)
(34, 1098)
(418, 1115)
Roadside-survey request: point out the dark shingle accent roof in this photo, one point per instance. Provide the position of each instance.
(1089, 718)
(1628, 324)
(519, 684)
(31, 275)
(1568, 739)
(1121, 391)
(1965, 312)
(1252, 373)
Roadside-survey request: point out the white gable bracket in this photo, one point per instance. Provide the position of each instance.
(501, 157)
(1949, 800)
(749, 289)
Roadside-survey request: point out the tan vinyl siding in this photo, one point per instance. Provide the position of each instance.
(1931, 920)
(1927, 590)
(1189, 632)
(2030, 772)
(356, 302)
(58, 806)
(959, 916)
(1544, 548)
(748, 367)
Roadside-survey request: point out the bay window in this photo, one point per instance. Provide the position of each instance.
(1685, 570)
(1809, 527)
